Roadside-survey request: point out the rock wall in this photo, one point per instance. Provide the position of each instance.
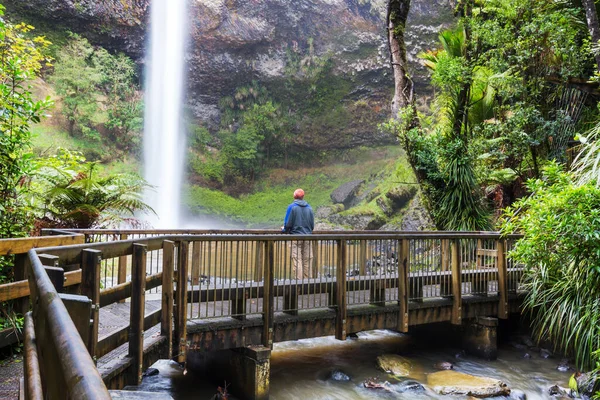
(236, 41)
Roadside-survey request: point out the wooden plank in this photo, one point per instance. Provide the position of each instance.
(23, 245)
(268, 299)
(136, 320)
(196, 246)
(14, 290)
(57, 277)
(80, 311)
(123, 291)
(502, 280)
(403, 268)
(445, 254)
(20, 274)
(258, 261)
(90, 287)
(120, 337)
(341, 298)
(33, 378)
(486, 253)
(180, 329)
(456, 282)
(166, 327)
(362, 257)
(122, 274)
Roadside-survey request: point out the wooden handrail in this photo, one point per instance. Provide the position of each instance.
(81, 380)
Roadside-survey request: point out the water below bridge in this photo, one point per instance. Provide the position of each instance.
(302, 369)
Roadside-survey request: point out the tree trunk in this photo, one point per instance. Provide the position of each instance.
(592, 22)
(397, 14)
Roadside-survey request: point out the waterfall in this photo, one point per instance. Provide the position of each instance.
(164, 133)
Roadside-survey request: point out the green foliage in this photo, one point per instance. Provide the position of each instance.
(74, 194)
(75, 79)
(561, 251)
(21, 59)
(587, 164)
(98, 90)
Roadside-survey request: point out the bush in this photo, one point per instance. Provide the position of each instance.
(561, 252)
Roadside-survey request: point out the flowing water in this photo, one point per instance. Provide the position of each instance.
(164, 137)
(300, 369)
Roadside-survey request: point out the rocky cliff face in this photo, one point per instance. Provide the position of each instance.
(236, 41)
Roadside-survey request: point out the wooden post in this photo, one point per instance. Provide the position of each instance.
(80, 311)
(21, 274)
(341, 310)
(90, 287)
(55, 273)
(196, 262)
(180, 331)
(290, 300)
(166, 322)
(314, 247)
(362, 257)
(479, 255)
(268, 296)
(136, 321)
(456, 282)
(502, 280)
(445, 253)
(122, 273)
(238, 304)
(258, 261)
(403, 286)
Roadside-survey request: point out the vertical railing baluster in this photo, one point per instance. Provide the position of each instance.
(456, 282)
(502, 280)
(166, 323)
(268, 294)
(403, 285)
(90, 287)
(122, 273)
(341, 298)
(136, 316)
(180, 331)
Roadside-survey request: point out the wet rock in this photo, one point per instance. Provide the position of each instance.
(527, 356)
(585, 384)
(407, 386)
(517, 395)
(545, 353)
(151, 372)
(375, 383)
(557, 391)
(518, 346)
(401, 195)
(339, 376)
(458, 383)
(346, 193)
(563, 366)
(460, 354)
(394, 364)
(443, 365)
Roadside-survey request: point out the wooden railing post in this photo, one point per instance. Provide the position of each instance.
(445, 254)
(122, 273)
(166, 324)
(341, 310)
(362, 257)
(456, 282)
(403, 285)
(21, 273)
(259, 256)
(269, 295)
(180, 331)
(136, 322)
(195, 273)
(80, 311)
(55, 273)
(90, 287)
(502, 280)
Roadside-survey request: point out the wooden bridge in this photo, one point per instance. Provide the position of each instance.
(186, 294)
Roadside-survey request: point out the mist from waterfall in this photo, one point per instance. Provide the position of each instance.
(164, 131)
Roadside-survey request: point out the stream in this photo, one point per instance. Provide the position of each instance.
(300, 370)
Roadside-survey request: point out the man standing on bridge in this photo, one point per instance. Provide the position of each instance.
(300, 220)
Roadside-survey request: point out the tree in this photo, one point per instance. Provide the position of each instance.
(591, 16)
(76, 78)
(21, 59)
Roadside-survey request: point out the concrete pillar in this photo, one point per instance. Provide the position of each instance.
(247, 370)
(481, 338)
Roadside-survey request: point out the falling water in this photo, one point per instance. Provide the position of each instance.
(164, 137)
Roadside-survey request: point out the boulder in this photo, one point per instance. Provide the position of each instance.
(400, 196)
(416, 217)
(458, 383)
(394, 364)
(407, 386)
(346, 193)
(358, 222)
(443, 365)
(517, 395)
(339, 376)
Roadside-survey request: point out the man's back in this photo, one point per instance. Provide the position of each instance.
(299, 218)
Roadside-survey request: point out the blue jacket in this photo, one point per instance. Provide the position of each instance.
(299, 218)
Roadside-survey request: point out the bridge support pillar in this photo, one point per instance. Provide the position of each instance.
(247, 370)
(481, 338)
